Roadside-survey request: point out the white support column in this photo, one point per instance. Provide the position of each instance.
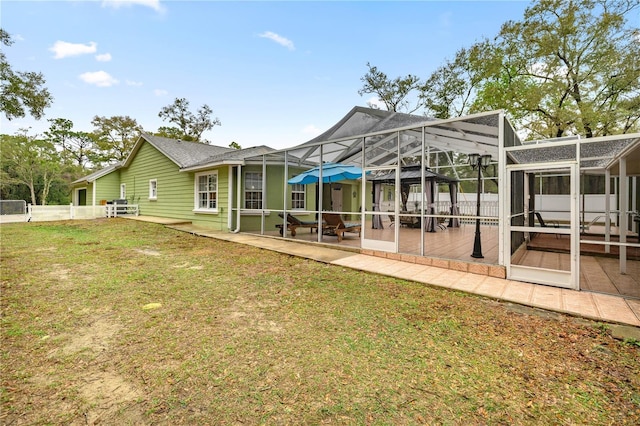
(230, 198)
(422, 197)
(264, 194)
(285, 190)
(624, 207)
(504, 210)
(575, 221)
(607, 210)
(320, 195)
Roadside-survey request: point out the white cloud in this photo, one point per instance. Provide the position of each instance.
(62, 49)
(133, 83)
(278, 39)
(117, 4)
(17, 37)
(160, 92)
(98, 78)
(311, 130)
(103, 57)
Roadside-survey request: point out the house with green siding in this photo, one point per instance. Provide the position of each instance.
(211, 186)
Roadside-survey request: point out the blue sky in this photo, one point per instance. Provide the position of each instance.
(274, 73)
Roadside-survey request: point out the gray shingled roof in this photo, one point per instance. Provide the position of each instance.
(234, 155)
(99, 173)
(185, 154)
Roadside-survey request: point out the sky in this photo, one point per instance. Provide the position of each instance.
(274, 73)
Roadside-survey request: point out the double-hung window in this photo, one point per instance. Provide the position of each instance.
(253, 190)
(207, 191)
(297, 196)
(153, 189)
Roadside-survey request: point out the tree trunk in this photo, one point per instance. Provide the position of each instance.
(33, 192)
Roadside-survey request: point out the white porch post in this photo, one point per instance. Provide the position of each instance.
(504, 210)
(320, 195)
(607, 210)
(230, 198)
(238, 196)
(624, 207)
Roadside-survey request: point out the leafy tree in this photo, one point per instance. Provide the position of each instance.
(60, 133)
(235, 145)
(169, 132)
(569, 67)
(31, 162)
(191, 126)
(21, 90)
(392, 93)
(451, 88)
(115, 137)
(77, 149)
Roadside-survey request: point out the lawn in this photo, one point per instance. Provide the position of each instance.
(121, 322)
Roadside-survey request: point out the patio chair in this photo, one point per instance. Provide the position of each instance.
(553, 223)
(334, 225)
(392, 218)
(293, 223)
(544, 224)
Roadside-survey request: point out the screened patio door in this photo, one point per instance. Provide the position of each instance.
(378, 228)
(543, 238)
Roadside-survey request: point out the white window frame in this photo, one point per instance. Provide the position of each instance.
(123, 191)
(196, 191)
(298, 189)
(153, 189)
(257, 190)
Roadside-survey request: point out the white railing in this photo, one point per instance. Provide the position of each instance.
(37, 213)
(115, 210)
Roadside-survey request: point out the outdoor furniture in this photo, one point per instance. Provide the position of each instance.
(293, 223)
(409, 221)
(334, 225)
(392, 218)
(544, 224)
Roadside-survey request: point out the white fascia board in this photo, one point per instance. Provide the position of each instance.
(209, 166)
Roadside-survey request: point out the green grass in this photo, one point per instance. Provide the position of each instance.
(250, 336)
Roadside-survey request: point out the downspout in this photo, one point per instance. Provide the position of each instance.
(230, 198)
(238, 198)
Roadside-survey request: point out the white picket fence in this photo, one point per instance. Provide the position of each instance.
(35, 213)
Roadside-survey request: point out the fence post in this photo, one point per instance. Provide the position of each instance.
(71, 216)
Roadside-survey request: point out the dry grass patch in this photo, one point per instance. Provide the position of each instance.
(239, 335)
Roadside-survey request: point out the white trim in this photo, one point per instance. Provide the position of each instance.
(245, 190)
(123, 191)
(205, 211)
(76, 196)
(196, 193)
(304, 199)
(153, 189)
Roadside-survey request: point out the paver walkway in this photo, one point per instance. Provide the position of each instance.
(599, 307)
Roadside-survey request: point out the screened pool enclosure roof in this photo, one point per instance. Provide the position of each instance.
(596, 154)
(380, 130)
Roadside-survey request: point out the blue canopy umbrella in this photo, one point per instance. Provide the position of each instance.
(331, 172)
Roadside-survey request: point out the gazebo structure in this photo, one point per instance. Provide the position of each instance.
(543, 207)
